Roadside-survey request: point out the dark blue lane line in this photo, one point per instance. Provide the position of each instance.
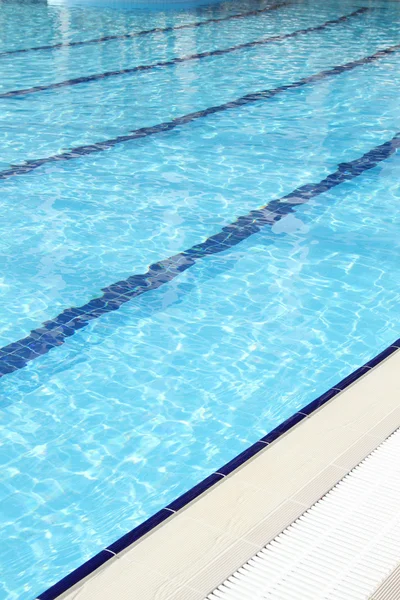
(79, 151)
(162, 515)
(177, 60)
(54, 332)
(128, 36)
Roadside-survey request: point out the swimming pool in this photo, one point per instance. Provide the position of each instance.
(155, 319)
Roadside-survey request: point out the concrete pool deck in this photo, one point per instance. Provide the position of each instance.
(197, 548)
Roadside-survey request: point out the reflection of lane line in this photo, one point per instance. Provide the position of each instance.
(79, 151)
(54, 332)
(128, 36)
(175, 61)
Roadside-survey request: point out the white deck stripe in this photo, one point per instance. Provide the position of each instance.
(343, 547)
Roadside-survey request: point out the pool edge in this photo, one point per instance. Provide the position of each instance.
(87, 569)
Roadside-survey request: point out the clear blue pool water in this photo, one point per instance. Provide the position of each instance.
(131, 411)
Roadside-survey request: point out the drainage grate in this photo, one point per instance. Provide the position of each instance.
(342, 548)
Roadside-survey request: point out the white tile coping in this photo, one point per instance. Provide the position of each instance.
(191, 553)
(342, 548)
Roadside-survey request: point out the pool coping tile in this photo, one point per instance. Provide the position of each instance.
(87, 568)
(209, 482)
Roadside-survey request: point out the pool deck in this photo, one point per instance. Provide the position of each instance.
(199, 546)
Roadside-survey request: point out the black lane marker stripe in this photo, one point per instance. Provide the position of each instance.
(54, 332)
(128, 36)
(79, 151)
(178, 60)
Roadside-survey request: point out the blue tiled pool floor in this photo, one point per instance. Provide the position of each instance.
(192, 249)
